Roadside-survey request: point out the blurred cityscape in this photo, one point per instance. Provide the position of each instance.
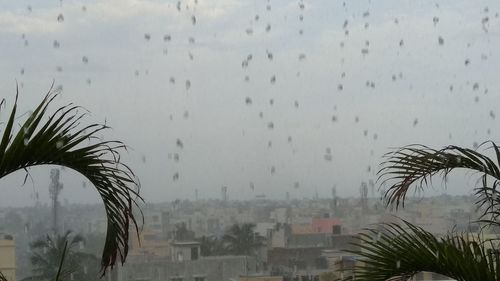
(183, 240)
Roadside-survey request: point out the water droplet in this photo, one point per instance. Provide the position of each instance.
(85, 59)
(340, 87)
(175, 177)
(302, 56)
(268, 27)
(270, 125)
(346, 22)
(171, 80)
(492, 114)
(273, 79)
(59, 144)
(188, 84)
(60, 18)
(179, 143)
(435, 20)
(415, 122)
(191, 40)
(440, 40)
(248, 100)
(26, 141)
(398, 264)
(167, 37)
(56, 44)
(193, 20)
(269, 55)
(147, 36)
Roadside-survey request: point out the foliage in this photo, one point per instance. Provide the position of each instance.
(60, 140)
(399, 252)
(58, 256)
(211, 246)
(181, 232)
(242, 239)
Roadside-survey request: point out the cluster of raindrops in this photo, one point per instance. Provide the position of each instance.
(265, 82)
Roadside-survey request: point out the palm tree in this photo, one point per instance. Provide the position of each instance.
(211, 246)
(47, 256)
(60, 140)
(242, 239)
(398, 252)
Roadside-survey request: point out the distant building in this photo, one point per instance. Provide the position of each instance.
(217, 268)
(8, 256)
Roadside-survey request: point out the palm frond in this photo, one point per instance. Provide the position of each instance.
(399, 252)
(415, 165)
(62, 141)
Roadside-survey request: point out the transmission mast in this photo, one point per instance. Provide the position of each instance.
(55, 188)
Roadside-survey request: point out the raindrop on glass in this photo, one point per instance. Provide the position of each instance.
(440, 40)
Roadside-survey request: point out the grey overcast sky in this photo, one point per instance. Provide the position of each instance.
(284, 96)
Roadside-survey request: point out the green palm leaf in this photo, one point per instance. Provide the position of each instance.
(415, 165)
(62, 141)
(399, 252)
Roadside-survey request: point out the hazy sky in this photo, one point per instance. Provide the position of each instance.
(255, 94)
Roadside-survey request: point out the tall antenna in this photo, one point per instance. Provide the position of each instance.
(55, 188)
(224, 193)
(363, 190)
